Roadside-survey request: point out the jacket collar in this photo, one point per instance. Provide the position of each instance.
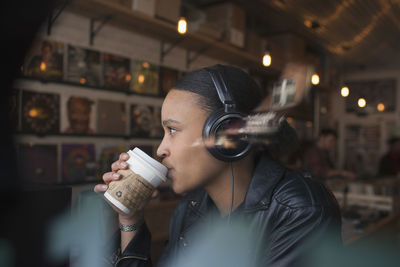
(266, 176)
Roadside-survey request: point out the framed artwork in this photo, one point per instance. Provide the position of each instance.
(45, 60)
(168, 78)
(77, 117)
(116, 72)
(38, 163)
(142, 120)
(111, 117)
(84, 66)
(78, 163)
(106, 155)
(156, 129)
(40, 112)
(145, 78)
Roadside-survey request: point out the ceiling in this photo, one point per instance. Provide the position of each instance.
(353, 33)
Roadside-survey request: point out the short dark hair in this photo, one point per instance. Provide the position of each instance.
(328, 131)
(244, 90)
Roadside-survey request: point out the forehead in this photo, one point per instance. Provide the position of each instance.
(182, 104)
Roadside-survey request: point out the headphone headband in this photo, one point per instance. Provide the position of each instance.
(222, 89)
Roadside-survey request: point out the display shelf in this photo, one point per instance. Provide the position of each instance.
(141, 23)
(379, 202)
(79, 136)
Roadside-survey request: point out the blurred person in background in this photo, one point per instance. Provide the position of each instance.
(389, 164)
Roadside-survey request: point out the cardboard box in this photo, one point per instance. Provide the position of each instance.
(206, 28)
(145, 6)
(127, 3)
(168, 10)
(231, 19)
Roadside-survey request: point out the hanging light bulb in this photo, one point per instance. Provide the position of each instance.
(380, 107)
(267, 60)
(182, 25)
(362, 102)
(315, 79)
(345, 91)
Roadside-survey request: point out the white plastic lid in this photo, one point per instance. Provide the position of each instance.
(147, 167)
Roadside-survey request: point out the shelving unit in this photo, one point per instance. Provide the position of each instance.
(194, 43)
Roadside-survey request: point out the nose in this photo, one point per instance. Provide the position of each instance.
(163, 150)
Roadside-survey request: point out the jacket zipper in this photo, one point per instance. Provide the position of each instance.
(130, 257)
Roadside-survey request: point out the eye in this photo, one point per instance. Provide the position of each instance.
(171, 130)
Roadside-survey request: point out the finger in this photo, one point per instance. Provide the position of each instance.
(100, 188)
(119, 165)
(124, 156)
(155, 194)
(111, 176)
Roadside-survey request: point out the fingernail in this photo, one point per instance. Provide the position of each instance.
(124, 164)
(104, 187)
(116, 175)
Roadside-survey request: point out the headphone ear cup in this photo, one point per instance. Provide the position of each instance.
(215, 124)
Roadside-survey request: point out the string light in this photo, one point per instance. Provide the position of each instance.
(345, 91)
(315, 79)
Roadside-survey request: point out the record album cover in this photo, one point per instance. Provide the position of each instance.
(38, 163)
(40, 112)
(45, 60)
(168, 78)
(116, 72)
(141, 120)
(145, 78)
(111, 117)
(78, 117)
(83, 66)
(78, 163)
(107, 154)
(156, 129)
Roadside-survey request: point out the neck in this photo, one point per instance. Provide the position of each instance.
(220, 190)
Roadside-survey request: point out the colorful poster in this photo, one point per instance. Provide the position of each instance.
(111, 117)
(38, 163)
(45, 61)
(168, 78)
(145, 78)
(78, 115)
(84, 66)
(40, 113)
(116, 72)
(141, 120)
(78, 163)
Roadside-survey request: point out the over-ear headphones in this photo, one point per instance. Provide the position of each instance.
(218, 120)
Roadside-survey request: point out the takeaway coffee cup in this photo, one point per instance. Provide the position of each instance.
(133, 190)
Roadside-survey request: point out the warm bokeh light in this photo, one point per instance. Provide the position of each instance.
(33, 113)
(145, 64)
(324, 110)
(42, 66)
(141, 78)
(267, 60)
(315, 79)
(128, 77)
(182, 25)
(362, 102)
(380, 107)
(309, 124)
(345, 91)
(289, 120)
(82, 80)
(308, 23)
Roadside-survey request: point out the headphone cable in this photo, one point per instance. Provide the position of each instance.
(233, 191)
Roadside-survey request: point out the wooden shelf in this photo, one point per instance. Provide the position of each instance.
(141, 23)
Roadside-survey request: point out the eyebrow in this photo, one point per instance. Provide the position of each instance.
(169, 121)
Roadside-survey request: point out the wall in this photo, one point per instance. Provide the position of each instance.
(342, 118)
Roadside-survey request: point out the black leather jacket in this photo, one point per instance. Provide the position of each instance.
(285, 208)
